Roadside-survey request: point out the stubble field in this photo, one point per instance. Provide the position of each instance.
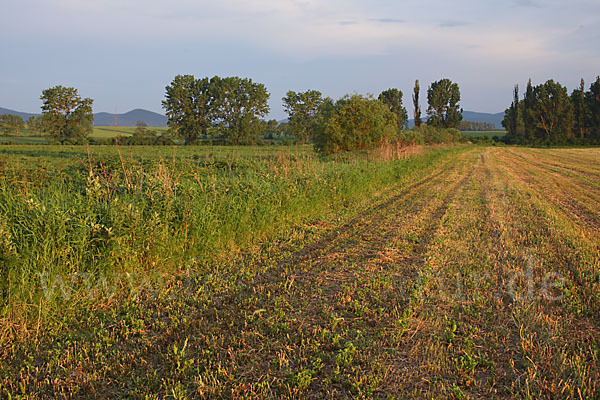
(469, 272)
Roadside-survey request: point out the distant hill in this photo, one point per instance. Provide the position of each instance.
(13, 112)
(473, 116)
(106, 119)
(130, 118)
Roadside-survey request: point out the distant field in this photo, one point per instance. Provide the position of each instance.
(98, 132)
(484, 133)
(103, 132)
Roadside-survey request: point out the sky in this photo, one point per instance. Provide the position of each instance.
(122, 53)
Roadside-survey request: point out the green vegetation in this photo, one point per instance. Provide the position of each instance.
(66, 117)
(490, 134)
(234, 105)
(302, 108)
(547, 115)
(444, 110)
(393, 99)
(354, 123)
(417, 107)
(11, 124)
(267, 272)
(109, 132)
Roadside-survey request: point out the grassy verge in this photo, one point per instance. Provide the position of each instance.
(72, 221)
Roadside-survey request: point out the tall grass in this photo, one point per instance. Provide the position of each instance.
(67, 213)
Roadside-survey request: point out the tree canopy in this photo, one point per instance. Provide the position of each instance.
(189, 104)
(548, 115)
(239, 106)
(10, 123)
(444, 111)
(234, 105)
(393, 99)
(66, 116)
(302, 108)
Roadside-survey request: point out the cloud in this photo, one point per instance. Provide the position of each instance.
(308, 29)
(529, 3)
(388, 20)
(453, 24)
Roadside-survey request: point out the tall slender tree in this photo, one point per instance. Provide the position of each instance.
(417, 107)
(579, 110)
(592, 100)
(511, 118)
(528, 109)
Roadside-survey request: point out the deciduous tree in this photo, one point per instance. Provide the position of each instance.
(551, 113)
(67, 117)
(444, 111)
(11, 123)
(239, 106)
(302, 108)
(189, 105)
(393, 99)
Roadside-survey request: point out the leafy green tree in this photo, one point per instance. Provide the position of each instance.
(417, 107)
(66, 116)
(592, 105)
(189, 105)
(271, 129)
(302, 108)
(393, 99)
(142, 131)
(11, 123)
(353, 123)
(551, 112)
(444, 111)
(239, 106)
(32, 125)
(579, 110)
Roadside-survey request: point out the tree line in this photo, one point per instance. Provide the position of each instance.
(548, 115)
(476, 126)
(231, 110)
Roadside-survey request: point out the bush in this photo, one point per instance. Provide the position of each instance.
(353, 123)
(433, 135)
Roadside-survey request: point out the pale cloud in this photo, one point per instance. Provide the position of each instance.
(305, 29)
(301, 29)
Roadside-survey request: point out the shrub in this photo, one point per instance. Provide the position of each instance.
(353, 123)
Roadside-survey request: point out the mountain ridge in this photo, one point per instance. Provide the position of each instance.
(129, 118)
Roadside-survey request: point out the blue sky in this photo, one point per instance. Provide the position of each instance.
(122, 53)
